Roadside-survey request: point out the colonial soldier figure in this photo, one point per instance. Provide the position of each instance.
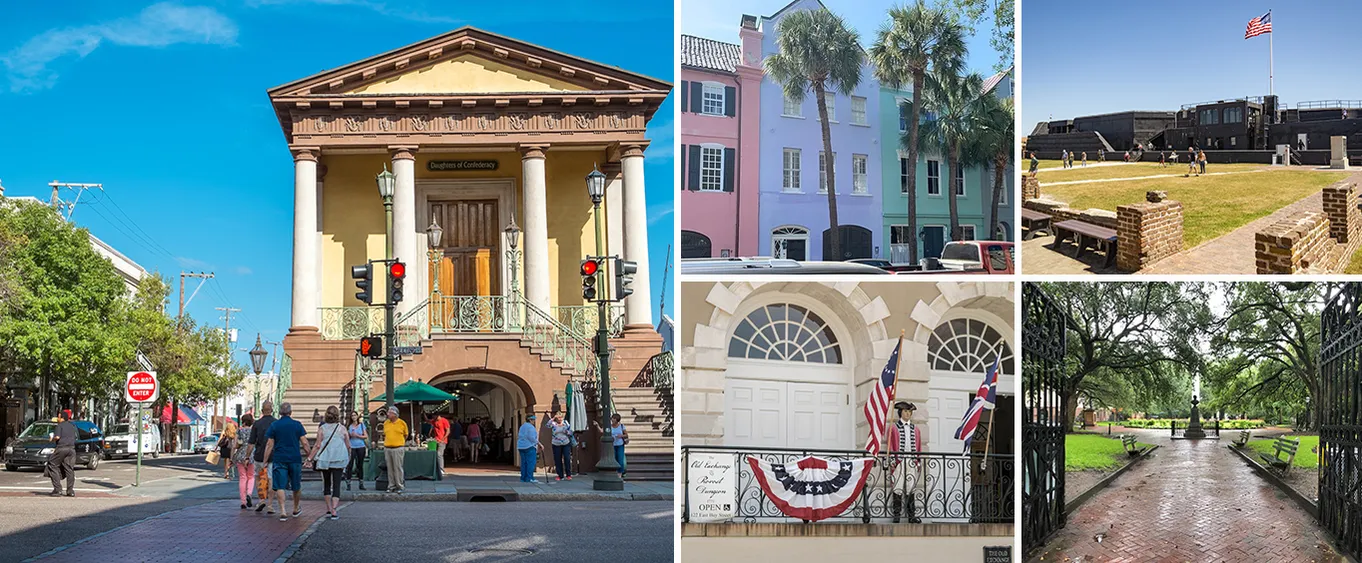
(904, 437)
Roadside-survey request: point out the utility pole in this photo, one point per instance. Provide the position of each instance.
(666, 271)
(70, 207)
(174, 434)
(227, 332)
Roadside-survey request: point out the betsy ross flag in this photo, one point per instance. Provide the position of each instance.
(983, 400)
(877, 406)
(1259, 25)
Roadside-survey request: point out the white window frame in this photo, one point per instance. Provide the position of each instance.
(967, 232)
(712, 92)
(790, 174)
(960, 190)
(830, 99)
(822, 172)
(792, 232)
(859, 183)
(798, 108)
(858, 117)
(715, 178)
(930, 177)
(903, 116)
(903, 174)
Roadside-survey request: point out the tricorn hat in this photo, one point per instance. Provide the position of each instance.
(903, 405)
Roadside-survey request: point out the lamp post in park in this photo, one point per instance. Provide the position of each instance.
(258, 355)
(607, 469)
(435, 240)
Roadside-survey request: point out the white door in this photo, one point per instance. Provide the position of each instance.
(755, 413)
(951, 481)
(818, 415)
(780, 414)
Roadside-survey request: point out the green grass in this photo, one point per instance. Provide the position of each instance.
(1091, 451)
(1355, 263)
(1305, 458)
(1134, 170)
(1212, 205)
(1237, 424)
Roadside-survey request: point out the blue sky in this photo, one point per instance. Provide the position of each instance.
(122, 93)
(1080, 58)
(718, 20)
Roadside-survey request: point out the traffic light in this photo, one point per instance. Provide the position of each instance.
(364, 280)
(624, 277)
(590, 268)
(397, 272)
(371, 346)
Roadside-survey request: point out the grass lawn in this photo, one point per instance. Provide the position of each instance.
(1135, 170)
(1212, 205)
(1091, 451)
(1355, 263)
(1305, 458)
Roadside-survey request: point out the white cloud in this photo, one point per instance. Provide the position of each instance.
(418, 12)
(660, 212)
(193, 263)
(243, 271)
(158, 25)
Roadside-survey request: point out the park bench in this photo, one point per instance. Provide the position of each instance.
(1132, 448)
(1280, 446)
(1085, 235)
(1034, 221)
(1243, 439)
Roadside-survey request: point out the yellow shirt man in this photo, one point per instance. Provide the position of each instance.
(395, 433)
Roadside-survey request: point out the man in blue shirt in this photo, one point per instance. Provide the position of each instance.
(528, 443)
(285, 449)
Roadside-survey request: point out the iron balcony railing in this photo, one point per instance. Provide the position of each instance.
(662, 368)
(351, 323)
(285, 379)
(968, 488)
(582, 319)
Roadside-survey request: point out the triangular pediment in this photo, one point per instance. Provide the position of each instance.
(469, 61)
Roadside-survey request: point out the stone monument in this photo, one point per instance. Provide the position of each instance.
(1338, 152)
(1194, 430)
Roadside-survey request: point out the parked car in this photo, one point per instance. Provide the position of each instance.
(206, 444)
(34, 444)
(121, 441)
(773, 267)
(967, 257)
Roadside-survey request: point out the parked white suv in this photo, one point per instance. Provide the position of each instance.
(121, 441)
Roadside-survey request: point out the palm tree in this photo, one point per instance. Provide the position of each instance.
(996, 144)
(817, 52)
(917, 39)
(958, 111)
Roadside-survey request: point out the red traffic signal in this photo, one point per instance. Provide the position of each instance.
(590, 267)
(397, 270)
(371, 347)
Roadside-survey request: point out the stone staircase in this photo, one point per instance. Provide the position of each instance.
(647, 413)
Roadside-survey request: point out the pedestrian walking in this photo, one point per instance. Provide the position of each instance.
(1201, 160)
(331, 457)
(474, 440)
(1101, 155)
(1085, 158)
(621, 436)
(1035, 163)
(286, 445)
(1064, 158)
(61, 463)
(439, 426)
(226, 442)
(241, 460)
(527, 442)
(1163, 162)
(395, 450)
(561, 432)
(359, 439)
(264, 493)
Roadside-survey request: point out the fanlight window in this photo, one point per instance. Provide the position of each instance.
(785, 332)
(968, 345)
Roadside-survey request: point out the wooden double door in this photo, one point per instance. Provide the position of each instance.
(470, 263)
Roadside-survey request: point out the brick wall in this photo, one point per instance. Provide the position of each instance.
(1030, 187)
(1147, 232)
(1298, 243)
(1340, 205)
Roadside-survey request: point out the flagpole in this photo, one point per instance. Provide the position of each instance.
(1270, 90)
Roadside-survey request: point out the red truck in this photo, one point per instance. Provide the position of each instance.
(967, 257)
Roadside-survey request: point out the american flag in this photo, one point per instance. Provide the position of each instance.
(1259, 25)
(877, 406)
(983, 400)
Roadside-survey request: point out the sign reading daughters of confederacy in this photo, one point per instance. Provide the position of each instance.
(713, 490)
(446, 165)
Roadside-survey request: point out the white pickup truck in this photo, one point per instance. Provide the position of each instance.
(121, 441)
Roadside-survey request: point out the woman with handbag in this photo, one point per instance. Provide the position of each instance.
(621, 439)
(225, 442)
(331, 458)
(241, 458)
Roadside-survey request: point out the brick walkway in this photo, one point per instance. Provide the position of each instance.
(215, 531)
(1232, 252)
(1190, 501)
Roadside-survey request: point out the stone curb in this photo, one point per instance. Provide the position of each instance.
(1071, 506)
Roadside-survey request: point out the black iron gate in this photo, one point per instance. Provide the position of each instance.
(1043, 349)
(1340, 435)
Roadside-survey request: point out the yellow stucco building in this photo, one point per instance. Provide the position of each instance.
(491, 139)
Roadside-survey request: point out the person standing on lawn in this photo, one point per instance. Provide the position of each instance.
(264, 494)
(286, 445)
(1035, 163)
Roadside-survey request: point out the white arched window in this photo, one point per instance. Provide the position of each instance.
(969, 346)
(785, 332)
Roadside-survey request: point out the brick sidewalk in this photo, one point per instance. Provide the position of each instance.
(1191, 501)
(215, 531)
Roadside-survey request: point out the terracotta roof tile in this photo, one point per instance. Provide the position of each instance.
(698, 52)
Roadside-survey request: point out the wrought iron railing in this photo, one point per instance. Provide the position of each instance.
(285, 379)
(470, 313)
(970, 488)
(351, 323)
(542, 331)
(582, 319)
(658, 373)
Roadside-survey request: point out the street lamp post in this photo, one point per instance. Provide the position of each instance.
(387, 182)
(257, 364)
(607, 469)
(435, 238)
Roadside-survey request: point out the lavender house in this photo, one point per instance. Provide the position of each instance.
(793, 210)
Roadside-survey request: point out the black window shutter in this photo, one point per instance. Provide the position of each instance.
(697, 96)
(684, 148)
(693, 169)
(730, 98)
(685, 96)
(730, 168)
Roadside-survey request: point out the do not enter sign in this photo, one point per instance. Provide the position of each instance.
(142, 387)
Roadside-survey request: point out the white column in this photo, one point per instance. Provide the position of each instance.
(404, 224)
(321, 269)
(536, 226)
(305, 314)
(614, 210)
(638, 308)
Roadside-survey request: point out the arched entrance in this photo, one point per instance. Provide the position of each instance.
(497, 403)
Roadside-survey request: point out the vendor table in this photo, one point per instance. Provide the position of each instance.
(419, 463)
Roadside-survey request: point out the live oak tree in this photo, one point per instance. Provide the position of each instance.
(1269, 339)
(816, 52)
(1002, 12)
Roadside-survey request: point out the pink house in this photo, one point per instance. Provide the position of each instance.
(719, 139)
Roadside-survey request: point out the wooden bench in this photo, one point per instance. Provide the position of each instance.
(1280, 446)
(1243, 439)
(1034, 221)
(1086, 235)
(1132, 448)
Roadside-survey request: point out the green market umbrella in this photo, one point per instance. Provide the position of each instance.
(415, 392)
